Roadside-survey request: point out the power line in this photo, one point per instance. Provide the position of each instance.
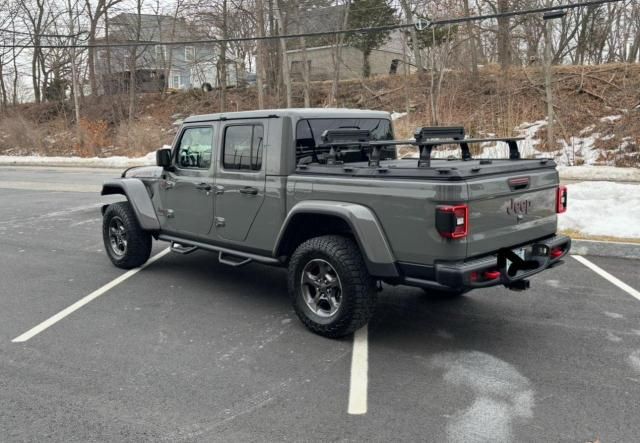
(12, 31)
(130, 44)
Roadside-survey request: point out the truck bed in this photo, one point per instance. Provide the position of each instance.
(440, 169)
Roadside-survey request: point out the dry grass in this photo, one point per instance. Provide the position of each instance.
(581, 236)
(140, 137)
(493, 104)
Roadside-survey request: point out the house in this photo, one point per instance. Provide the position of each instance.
(384, 60)
(158, 65)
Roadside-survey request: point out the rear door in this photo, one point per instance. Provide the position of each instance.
(187, 187)
(240, 178)
(508, 210)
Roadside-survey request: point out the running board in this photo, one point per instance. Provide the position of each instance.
(231, 254)
(232, 260)
(182, 249)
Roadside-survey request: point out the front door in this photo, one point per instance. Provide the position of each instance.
(240, 178)
(188, 199)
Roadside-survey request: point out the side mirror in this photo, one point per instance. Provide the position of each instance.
(163, 157)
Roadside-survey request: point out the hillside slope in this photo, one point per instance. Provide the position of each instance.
(598, 111)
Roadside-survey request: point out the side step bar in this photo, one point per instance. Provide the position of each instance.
(226, 256)
(182, 249)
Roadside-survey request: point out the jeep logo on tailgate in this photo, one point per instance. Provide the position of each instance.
(519, 207)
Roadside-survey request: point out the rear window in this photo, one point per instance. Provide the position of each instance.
(309, 133)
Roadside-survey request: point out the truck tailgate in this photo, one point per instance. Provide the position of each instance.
(511, 209)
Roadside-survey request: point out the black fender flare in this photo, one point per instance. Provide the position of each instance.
(366, 229)
(138, 197)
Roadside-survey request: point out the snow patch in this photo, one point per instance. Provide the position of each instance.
(397, 115)
(502, 396)
(92, 162)
(594, 209)
(610, 118)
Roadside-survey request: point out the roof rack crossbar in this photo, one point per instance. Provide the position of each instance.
(430, 133)
(426, 138)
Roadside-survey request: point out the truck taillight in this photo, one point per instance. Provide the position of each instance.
(561, 200)
(452, 221)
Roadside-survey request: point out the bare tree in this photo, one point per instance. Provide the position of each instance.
(94, 15)
(281, 16)
(336, 54)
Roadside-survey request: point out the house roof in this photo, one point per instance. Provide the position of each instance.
(152, 27)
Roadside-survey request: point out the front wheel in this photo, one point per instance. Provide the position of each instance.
(330, 287)
(127, 244)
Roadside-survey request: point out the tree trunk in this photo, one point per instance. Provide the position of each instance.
(336, 57)
(547, 84)
(35, 74)
(91, 61)
(415, 47)
(222, 70)
(286, 78)
(305, 62)
(472, 42)
(132, 65)
(260, 59)
(366, 65)
(3, 88)
(504, 39)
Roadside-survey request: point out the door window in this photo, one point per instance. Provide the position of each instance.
(194, 150)
(243, 147)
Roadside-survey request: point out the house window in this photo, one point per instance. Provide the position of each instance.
(243, 147)
(189, 53)
(175, 80)
(161, 52)
(297, 67)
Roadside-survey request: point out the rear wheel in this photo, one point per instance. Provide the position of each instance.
(127, 244)
(330, 287)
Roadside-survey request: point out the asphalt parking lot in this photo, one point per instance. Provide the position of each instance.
(188, 349)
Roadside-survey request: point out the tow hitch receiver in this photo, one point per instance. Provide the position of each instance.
(513, 275)
(519, 285)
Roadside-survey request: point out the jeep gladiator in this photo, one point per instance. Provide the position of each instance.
(324, 193)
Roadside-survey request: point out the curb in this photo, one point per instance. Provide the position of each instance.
(605, 249)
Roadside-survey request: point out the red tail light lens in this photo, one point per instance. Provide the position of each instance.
(561, 200)
(452, 221)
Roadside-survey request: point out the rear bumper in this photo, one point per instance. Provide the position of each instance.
(489, 270)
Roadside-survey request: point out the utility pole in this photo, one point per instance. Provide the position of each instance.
(548, 74)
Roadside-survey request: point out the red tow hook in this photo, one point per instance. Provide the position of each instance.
(556, 252)
(491, 275)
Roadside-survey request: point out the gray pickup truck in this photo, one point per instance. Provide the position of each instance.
(324, 193)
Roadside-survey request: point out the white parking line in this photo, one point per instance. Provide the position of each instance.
(83, 301)
(359, 373)
(604, 274)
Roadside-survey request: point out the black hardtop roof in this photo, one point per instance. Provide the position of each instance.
(296, 113)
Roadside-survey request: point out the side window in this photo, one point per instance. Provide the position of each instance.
(194, 150)
(243, 147)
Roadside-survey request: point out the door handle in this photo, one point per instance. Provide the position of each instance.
(204, 187)
(249, 190)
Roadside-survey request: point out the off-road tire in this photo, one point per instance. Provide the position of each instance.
(138, 242)
(358, 290)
